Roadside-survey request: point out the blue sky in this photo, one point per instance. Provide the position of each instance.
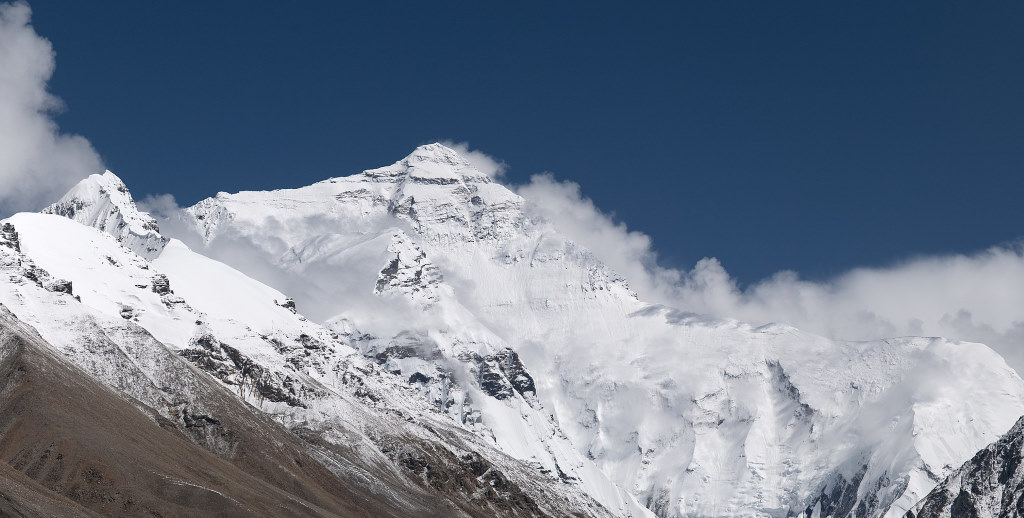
(806, 137)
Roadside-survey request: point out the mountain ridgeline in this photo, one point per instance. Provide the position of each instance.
(416, 340)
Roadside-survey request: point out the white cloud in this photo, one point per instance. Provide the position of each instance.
(629, 253)
(37, 162)
(483, 162)
(976, 297)
(965, 297)
(160, 206)
(267, 258)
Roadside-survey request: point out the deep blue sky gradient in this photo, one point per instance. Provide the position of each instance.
(772, 135)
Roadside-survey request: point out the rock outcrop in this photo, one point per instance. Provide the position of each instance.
(990, 485)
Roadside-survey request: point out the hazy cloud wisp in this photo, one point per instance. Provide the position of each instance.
(479, 160)
(37, 162)
(975, 297)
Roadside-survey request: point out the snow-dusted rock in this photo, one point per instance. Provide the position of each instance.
(989, 485)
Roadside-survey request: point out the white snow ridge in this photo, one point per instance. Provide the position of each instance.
(431, 307)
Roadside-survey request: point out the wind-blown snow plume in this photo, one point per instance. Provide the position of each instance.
(384, 315)
(973, 297)
(628, 252)
(481, 161)
(37, 162)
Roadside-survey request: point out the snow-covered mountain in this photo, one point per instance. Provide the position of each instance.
(692, 415)
(421, 314)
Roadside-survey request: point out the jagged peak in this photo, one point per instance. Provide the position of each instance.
(97, 185)
(97, 196)
(102, 201)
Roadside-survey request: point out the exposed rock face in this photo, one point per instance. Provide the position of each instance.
(25, 267)
(420, 360)
(288, 304)
(853, 496)
(59, 286)
(161, 286)
(234, 368)
(9, 237)
(501, 375)
(127, 312)
(990, 485)
(515, 372)
(409, 272)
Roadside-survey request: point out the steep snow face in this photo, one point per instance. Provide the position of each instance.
(515, 333)
(990, 485)
(103, 201)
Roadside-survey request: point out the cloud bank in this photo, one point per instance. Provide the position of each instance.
(37, 162)
(976, 297)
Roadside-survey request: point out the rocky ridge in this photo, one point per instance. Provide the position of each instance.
(989, 485)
